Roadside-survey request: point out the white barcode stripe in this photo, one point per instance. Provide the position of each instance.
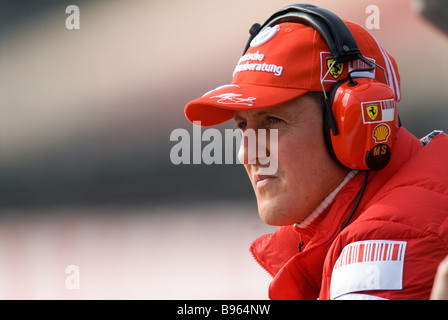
(352, 254)
(383, 248)
(369, 252)
(372, 251)
(377, 252)
(402, 251)
(364, 253)
(389, 252)
(345, 257)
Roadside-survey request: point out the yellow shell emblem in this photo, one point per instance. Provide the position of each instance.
(381, 133)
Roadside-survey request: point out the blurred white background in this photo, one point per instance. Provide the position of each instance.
(85, 120)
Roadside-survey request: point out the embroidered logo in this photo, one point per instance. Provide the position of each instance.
(234, 98)
(245, 64)
(358, 68)
(264, 36)
(337, 68)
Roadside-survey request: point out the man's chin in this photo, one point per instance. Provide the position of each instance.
(272, 215)
(276, 212)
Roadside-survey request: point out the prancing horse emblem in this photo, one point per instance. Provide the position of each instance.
(337, 69)
(372, 111)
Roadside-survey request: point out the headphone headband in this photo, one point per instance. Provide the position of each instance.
(332, 29)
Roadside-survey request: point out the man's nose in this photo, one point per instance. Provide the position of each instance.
(253, 147)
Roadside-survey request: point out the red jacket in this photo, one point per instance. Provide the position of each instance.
(390, 249)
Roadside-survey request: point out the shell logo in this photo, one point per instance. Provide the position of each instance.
(381, 133)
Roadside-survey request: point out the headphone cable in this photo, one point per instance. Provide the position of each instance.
(361, 192)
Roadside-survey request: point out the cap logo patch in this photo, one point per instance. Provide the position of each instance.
(331, 75)
(234, 99)
(337, 69)
(340, 70)
(264, 36)
(362, 68)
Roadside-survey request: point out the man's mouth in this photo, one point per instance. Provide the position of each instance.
(262, 180)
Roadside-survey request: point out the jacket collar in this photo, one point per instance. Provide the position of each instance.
(272, 251)
(325, 203)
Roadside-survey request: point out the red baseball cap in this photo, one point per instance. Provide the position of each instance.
(284, 62)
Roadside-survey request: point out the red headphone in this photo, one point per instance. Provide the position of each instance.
(364, 128)
(366, 119)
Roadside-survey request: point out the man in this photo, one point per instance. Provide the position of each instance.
(440, 288)
(376, 229)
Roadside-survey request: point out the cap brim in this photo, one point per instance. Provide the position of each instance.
(219, 105)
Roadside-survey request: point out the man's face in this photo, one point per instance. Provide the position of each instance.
(306, 172)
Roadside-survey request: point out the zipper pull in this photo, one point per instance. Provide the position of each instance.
(300, 243)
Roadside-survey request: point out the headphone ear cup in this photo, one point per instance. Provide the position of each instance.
(366, 117)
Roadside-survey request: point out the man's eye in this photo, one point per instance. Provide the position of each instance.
(241, 125)
(274, 120)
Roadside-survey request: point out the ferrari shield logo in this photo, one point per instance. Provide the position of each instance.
(372, 111)
(337, 69)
